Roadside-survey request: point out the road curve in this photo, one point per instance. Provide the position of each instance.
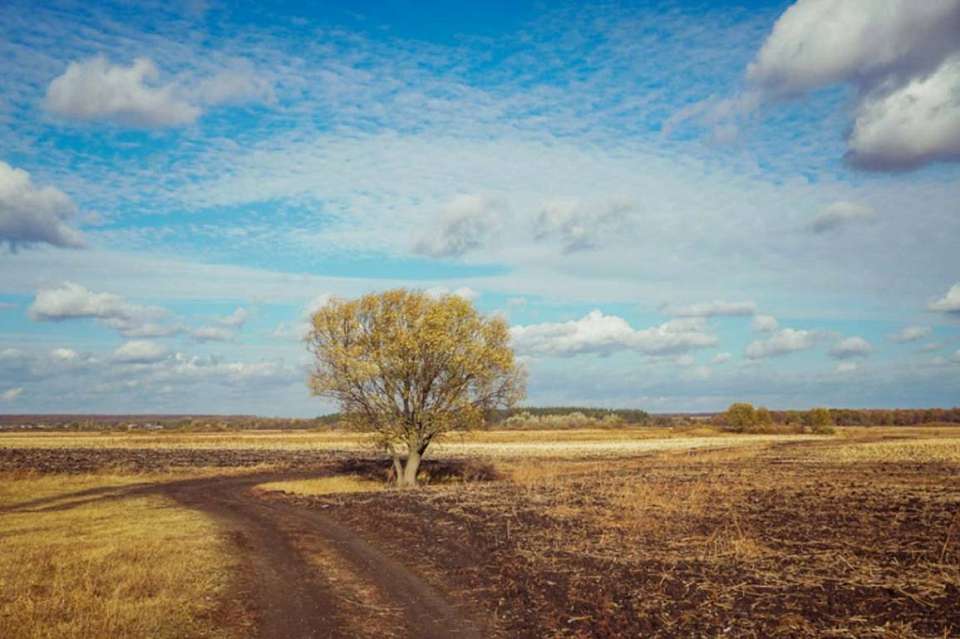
(289, 596)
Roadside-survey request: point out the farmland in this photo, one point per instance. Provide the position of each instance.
(577, 533)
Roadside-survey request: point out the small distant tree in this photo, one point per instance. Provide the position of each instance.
(819, 420)
(410, 367)
(740, 417)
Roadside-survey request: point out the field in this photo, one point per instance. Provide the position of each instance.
(589, 533)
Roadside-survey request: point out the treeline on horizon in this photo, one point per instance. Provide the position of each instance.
(521, 417)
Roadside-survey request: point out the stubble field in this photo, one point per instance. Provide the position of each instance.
(615, 533)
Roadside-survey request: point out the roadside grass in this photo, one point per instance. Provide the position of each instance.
(106, 564)
(336, 485)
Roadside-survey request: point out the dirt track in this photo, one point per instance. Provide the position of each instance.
(292, 600)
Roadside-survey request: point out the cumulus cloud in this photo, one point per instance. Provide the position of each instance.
(712, 309)
(841, 214)
(764, 323)
(30, 214)
(912, 125)
(236, 319)
(467, 223)
(949, 303)
(140, 351)
(782, 342)
(851, 347)
(73, 301)
(606, 334)
(903, 58)
(911, 334)
(97, 89)
(821, 42)
(579, 226)
(11, 394)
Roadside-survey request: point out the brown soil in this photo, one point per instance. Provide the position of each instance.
(85, 460)
(707, 545)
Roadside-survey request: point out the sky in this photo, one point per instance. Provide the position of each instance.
(676, 205)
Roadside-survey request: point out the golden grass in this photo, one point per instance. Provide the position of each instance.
(338, 484)
(595, 443)
(136, 566)
(943, 450)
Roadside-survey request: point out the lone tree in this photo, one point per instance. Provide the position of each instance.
(410, 367)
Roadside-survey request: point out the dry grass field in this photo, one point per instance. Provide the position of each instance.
(607, 533)
(82, 558)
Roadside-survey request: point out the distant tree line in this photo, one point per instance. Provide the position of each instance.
(547, 416)
(626, 415)
(743, 417)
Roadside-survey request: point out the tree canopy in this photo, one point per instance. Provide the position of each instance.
(409, 367)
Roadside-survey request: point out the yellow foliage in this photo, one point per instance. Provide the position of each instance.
(410, 367)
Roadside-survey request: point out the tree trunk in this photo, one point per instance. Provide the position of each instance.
(409, 477)
(397, 475)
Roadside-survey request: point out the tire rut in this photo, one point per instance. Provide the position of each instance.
(290, 596)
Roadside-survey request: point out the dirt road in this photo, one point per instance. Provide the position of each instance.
(292, 599)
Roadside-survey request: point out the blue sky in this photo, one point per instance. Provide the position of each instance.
(675, 205)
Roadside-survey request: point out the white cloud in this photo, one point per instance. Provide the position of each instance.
(236, 319)
(712, 309)
(911, 334)
(579, 226)
(841, 214)
(11, 394)
(299, 329)
(181, 368)
(949, 303)
(140, 352)
(73, 301)
(64, 354)
(816, 43)
(784, 341)
(764, 323)
(234, 86)
(851, 347)
(465, 292)
(847, 367)
(96, 89)
(722, 358)
(606, 334)
(212, 334)
(31, 215)
(913, 125)
(467, 223)
(899, 54)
